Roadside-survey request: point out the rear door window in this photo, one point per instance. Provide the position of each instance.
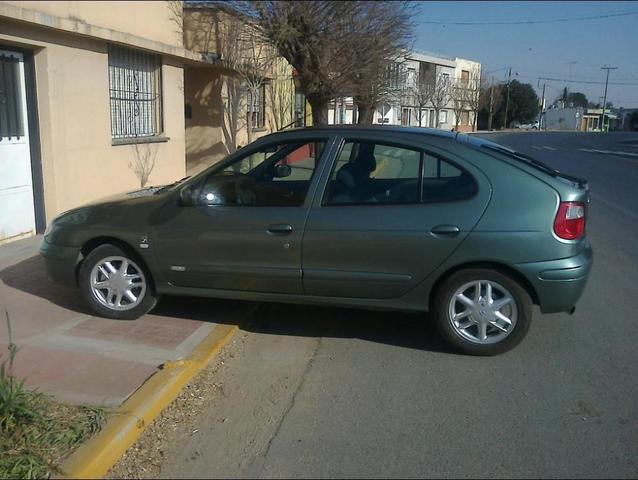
(368, 172)
(444, 181)
(374, 173)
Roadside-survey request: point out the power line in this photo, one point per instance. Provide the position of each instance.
(529, 22)
(581, 81)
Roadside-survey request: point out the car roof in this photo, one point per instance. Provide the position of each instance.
(472, 141)
(374, 128)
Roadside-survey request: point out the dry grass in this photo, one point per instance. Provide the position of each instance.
(36, 432)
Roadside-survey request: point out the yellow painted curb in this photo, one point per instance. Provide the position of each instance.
(96, 457)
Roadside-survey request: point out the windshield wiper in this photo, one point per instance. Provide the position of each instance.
(537, 163)
(170, 185)
(524, 158)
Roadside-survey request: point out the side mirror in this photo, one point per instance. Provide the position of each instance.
(282, 170)
(186, 197)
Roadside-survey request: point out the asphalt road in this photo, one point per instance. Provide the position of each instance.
(318, 392)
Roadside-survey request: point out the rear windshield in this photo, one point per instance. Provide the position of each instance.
(532, 162)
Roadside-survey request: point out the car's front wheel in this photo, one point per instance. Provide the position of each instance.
(115, 284)
(482, 311)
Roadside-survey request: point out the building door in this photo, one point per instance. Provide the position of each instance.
(17, 212)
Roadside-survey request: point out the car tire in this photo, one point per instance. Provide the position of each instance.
(121, 282)
(475, 339)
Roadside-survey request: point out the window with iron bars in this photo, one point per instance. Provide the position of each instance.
(256, 108)
(135, 89)
(11, 121)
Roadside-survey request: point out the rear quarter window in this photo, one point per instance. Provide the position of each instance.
(444, 181)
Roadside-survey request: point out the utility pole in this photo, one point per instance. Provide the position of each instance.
(602, 120)
(507, 102)
(540, 113)
(491, 111)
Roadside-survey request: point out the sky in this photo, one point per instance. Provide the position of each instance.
(561, 50)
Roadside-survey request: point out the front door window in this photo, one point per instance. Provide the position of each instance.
(274, 175)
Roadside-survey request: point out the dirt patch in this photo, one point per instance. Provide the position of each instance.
(145, 458)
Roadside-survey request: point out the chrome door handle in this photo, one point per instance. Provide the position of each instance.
(279, 229)
(445, 230)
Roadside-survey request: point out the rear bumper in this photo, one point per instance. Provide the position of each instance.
(559, 284)
(61, 262)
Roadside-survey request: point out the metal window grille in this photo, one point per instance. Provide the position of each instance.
(11, 121)
(135, 89)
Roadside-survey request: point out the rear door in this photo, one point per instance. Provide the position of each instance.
(379, 235)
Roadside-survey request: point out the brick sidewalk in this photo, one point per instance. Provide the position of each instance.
(79, 358)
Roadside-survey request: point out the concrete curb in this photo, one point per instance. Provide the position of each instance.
(96, 457)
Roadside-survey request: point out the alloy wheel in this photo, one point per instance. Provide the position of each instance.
(483, 312)
(117, 283)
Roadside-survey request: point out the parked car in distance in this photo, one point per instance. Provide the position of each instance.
(390, 218)
(529, 126)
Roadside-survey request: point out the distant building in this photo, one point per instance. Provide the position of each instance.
(410, 75)
(577, 119)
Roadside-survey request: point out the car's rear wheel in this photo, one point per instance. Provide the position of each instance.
(482, 311)
(115, 284)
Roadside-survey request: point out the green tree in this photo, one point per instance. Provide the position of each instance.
(523, 104)
(578, 99)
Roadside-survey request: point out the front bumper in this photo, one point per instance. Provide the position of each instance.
(559, 284)
(61, 262)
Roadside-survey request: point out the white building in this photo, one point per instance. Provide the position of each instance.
(403, 107)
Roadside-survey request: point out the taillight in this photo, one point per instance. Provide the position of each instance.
(570, 220)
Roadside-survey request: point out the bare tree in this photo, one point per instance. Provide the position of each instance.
(458, 95)
(329, 43)
(474, 94)
(143, 162)
(421, 95)
(280, 92)
(246, 60)
(372, 89)
(253, 66)
(440, 92)
(382, 37)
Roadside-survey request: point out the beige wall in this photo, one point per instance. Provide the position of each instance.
(208, 130)
(150, 19)
(79, 163)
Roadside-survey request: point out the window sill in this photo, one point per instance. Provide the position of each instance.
(259, 129)
(134, 140)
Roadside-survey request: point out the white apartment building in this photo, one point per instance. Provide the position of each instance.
(404, 108)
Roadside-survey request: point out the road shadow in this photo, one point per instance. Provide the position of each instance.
(409, 330)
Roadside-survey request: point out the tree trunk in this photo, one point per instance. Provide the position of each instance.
(489, 120)
(319, 108)
(365, 114)
(249, 118)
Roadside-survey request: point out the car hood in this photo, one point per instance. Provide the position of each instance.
(125, 196)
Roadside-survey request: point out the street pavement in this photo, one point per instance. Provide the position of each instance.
(320, 392)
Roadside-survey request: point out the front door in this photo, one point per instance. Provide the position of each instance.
(244, 231)
(390, 216)
(17, 213)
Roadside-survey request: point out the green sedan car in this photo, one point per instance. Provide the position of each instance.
(388, 218)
